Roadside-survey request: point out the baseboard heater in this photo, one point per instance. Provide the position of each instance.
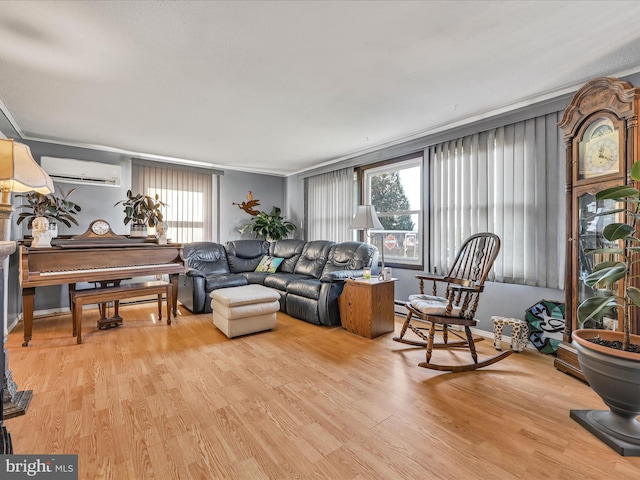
(399, 308)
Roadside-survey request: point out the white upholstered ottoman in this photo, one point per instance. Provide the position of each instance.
(246, 309)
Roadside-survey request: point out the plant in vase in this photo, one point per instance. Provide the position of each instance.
(610, 360)
(269, 226)
(141, 211)
(55, 208)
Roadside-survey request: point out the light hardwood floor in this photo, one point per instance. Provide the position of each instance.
(151, 401)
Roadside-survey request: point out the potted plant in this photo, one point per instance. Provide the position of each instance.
(141, 211)
(610, 360)
(269, 226)
(55, 208)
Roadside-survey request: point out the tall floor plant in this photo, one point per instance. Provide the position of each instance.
(623, 269)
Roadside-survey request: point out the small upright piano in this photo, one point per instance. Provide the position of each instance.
(70, 261)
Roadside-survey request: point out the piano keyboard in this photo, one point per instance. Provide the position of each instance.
(107, 269)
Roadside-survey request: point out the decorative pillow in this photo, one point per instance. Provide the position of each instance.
(269, 264)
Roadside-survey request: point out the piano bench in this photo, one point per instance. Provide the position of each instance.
(121, 292)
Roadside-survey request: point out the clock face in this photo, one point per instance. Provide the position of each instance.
(602, 156)
(599, 150)
(100, 227)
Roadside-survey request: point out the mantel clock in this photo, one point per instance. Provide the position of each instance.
(99, 229)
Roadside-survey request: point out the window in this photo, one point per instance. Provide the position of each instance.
(395, 190)
(188, 193)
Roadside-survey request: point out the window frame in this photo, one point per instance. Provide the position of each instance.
(416, 159)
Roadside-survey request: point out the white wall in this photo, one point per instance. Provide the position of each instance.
(234, 186)
(295, 203)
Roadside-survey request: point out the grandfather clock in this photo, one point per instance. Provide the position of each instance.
(601, 137)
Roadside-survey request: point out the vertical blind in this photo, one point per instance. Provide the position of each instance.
(188, 194)
(330, 205)
(508, 181)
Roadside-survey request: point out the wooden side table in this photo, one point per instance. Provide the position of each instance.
(367, 306)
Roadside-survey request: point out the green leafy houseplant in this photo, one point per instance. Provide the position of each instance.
(270, 226)
(54, 207)
(142, 209)
(607, 274)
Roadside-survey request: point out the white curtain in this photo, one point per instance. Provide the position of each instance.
(188, 194)
(330, 206)
(509, 181)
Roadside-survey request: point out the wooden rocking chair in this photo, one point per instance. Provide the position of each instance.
(463, 285)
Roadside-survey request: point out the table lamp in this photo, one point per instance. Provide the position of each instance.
(367, 219)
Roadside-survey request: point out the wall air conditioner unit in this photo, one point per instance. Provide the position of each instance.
(81, 172)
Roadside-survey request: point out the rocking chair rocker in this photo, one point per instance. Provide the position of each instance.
(463, 285)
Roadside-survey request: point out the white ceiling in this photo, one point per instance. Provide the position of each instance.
(281, 86)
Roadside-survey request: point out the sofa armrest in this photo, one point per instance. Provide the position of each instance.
(192, 272)
(340, 275)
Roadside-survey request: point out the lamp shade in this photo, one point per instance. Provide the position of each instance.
(19, 172)
(366, 218)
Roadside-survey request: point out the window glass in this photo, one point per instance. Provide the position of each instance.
(395, 190)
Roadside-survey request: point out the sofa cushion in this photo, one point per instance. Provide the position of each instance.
(309, 288)
(289, 250)
(255, 277)
(206, 257)
(245, 255)
(313, 258)
(214, 282)
(280, 281)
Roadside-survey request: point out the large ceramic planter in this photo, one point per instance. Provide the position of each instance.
(615, 376)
